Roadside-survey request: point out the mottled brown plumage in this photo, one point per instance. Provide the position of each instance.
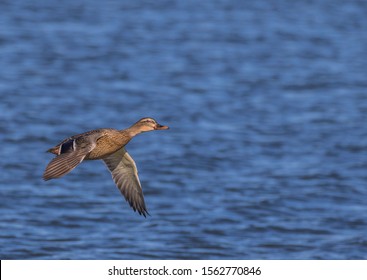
(106, 144)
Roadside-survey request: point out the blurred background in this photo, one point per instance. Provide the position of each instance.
(267, 105)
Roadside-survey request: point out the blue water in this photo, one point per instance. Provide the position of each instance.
(267, 105)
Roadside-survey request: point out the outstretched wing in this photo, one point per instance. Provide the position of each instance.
(72, 153)
(125, 176)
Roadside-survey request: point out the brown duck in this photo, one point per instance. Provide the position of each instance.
(107, 144)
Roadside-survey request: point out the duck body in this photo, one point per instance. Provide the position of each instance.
(108, 141)
(107, 144)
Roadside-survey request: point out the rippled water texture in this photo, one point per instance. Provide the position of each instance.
(267, 105)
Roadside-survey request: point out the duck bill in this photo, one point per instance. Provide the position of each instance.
(161, 127)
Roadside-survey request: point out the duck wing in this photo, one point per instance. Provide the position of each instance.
(72, 152)
(125, 176)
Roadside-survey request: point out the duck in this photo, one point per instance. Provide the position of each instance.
(108, 145)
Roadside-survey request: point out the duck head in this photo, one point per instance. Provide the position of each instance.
(148, 124)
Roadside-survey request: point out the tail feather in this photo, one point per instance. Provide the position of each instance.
(53, 150)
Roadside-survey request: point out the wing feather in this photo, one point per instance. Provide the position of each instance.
(125, 176)
(65, 162)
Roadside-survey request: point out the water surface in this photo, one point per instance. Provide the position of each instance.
(267, 105)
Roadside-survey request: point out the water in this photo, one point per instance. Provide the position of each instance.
(266, 155)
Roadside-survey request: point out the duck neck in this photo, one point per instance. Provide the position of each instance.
(132, 131)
